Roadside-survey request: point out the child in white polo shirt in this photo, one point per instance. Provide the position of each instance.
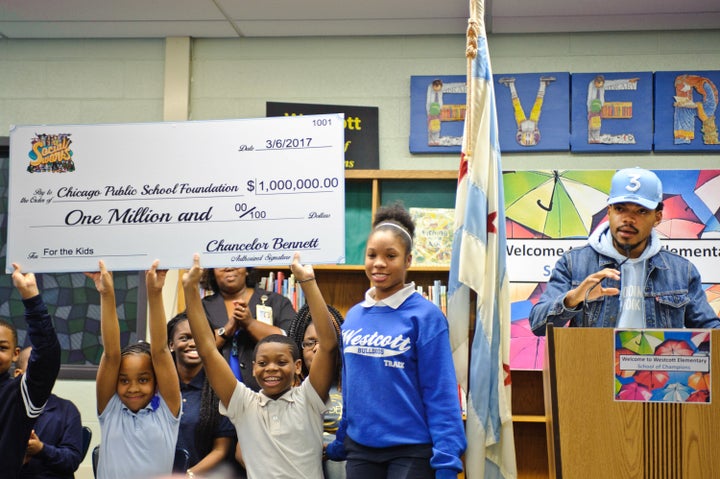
(279, 428)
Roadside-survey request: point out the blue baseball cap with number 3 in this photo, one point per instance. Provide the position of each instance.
(636, 185)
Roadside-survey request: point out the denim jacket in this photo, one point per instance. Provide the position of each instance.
(674, 297)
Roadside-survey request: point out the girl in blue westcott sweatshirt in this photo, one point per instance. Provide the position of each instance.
(399, 389)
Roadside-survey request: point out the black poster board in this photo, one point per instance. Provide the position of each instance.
(361, 129)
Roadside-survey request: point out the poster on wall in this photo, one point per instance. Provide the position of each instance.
(527, 351)
(437, 113)
(663, 365)
(362, 151)
(533, 111)
(612, 112)
(549, 212)
(686, 108)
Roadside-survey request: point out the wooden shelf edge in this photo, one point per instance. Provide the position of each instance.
(528, 418)
(430, 269)
(359, 267)
(319, 267)
(401, 174)
(339, 267)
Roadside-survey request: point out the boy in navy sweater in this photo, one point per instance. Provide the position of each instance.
(54, 450)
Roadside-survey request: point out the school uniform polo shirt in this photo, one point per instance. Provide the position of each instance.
(140, 444)
(279, 438)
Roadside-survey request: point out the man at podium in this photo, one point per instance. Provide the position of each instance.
(623, 278)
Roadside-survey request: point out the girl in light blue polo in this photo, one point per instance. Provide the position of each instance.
(138, 392)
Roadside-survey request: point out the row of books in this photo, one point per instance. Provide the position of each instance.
(432, 247)
(280, 283)
(437, 293)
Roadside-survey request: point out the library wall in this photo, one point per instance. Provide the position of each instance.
(104, 81)
(80, 81)
(108, 81)
(234, 78)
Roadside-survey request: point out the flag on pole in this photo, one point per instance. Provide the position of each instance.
(478, 264)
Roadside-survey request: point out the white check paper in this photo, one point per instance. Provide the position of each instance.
(239, 192)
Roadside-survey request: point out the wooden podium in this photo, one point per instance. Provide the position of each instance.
(590, 435)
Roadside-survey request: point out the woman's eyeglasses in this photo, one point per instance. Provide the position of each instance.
(309, 343)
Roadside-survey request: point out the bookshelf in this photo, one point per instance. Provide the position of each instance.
(365, 190)
(344, 285)
(529, 424)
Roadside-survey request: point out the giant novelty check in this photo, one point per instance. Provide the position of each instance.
(238, 192)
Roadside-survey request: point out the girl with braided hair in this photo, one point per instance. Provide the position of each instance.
(204, 432)
(138, 394)
(303, 332)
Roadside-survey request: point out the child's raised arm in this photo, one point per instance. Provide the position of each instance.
(109, 368)
(43, 365)
(163, 364)
(322, 372)
(24, 283)
(218, 371)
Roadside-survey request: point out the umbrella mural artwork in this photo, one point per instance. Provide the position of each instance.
(639, 341)
(701, 339)
(556, 203)
(517, 231)
(542, 206)
(656, 370)
(675, 347)
(676, 392)
(527, 351)
(697, 203)
(712, 293)
(707, 188)
(691, 200)
(634, 392)
(700, 383)
(699, 396)
(652, 379)
(625, 373)
(679, 220)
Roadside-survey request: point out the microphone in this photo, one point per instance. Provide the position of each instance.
(585, 316)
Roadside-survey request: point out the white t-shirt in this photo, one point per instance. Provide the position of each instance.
(632, 294)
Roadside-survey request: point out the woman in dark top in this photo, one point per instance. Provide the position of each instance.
(242, 315)
(204, 433)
